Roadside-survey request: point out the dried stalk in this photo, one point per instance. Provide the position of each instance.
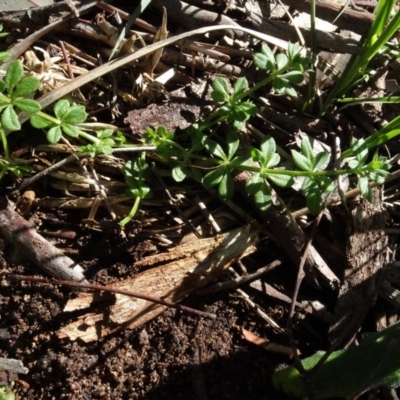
(36, 248)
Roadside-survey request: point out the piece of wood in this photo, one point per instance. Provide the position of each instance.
(10, 364)
(19, 232)
(356, 21)
(18, 5)
(367, 256)
(175, 274)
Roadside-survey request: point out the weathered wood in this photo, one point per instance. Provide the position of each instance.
(355, 21)
(35, 247)
(367, 255)
(180, 272)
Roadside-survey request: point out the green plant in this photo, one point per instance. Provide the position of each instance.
(198, 155)
(15, 96)
(346, 374)
(196, 152)
(379, 34)
(136, 172)
(6, 393)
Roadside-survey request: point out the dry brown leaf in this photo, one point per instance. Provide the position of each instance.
(264, 343)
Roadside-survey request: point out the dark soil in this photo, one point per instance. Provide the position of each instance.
(175, 356)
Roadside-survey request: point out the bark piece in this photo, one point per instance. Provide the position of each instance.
(172, 115)
(192, 17)
(180, 272)
(367, 255)
(10, 364)
(356, 21)
(35, 247)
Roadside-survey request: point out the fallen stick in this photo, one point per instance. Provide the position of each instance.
(109, 289)
(19, 232)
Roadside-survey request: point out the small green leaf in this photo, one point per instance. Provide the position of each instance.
(279, 85)
(379, 179)
(232, 141)
(243, 111)
(281, 61)
(105, 133)
(354, 164)
(238, 125)
(307, 150)
(213, 177)
(314, 201)
(220, 86)
(326, 184)
(196, 175)
(54, 134)
(61, 108)
(27, 105)
(302, 162)
(240, 86)
(264, 60)
(26, 86)
(218, 97)
(293, 77)
(13, 75)
(9, 119)
(289, 91)
(135, 176)
(254, 184)
(40, 122)
(75, 115)
(70, 130)
(241, 161)
(226, 187)
(258, 156)
(293, 50)
(268, 147)
(215, 149)
(263, 197)
(198, 139)
(284, 181)
(274, 161)
(90, 149)
(360, 150)
(4, 103)
(225, 110)
(364, 187)
(2, 84)
(4, 55)
(179, 173)
(164, 133)
(321, 161)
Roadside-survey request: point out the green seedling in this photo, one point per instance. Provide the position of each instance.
(6, 393)
(347, 373)
(136, 173)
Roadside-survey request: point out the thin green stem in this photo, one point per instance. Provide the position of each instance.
(89, 137)
(5, 143)
(132, 212)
